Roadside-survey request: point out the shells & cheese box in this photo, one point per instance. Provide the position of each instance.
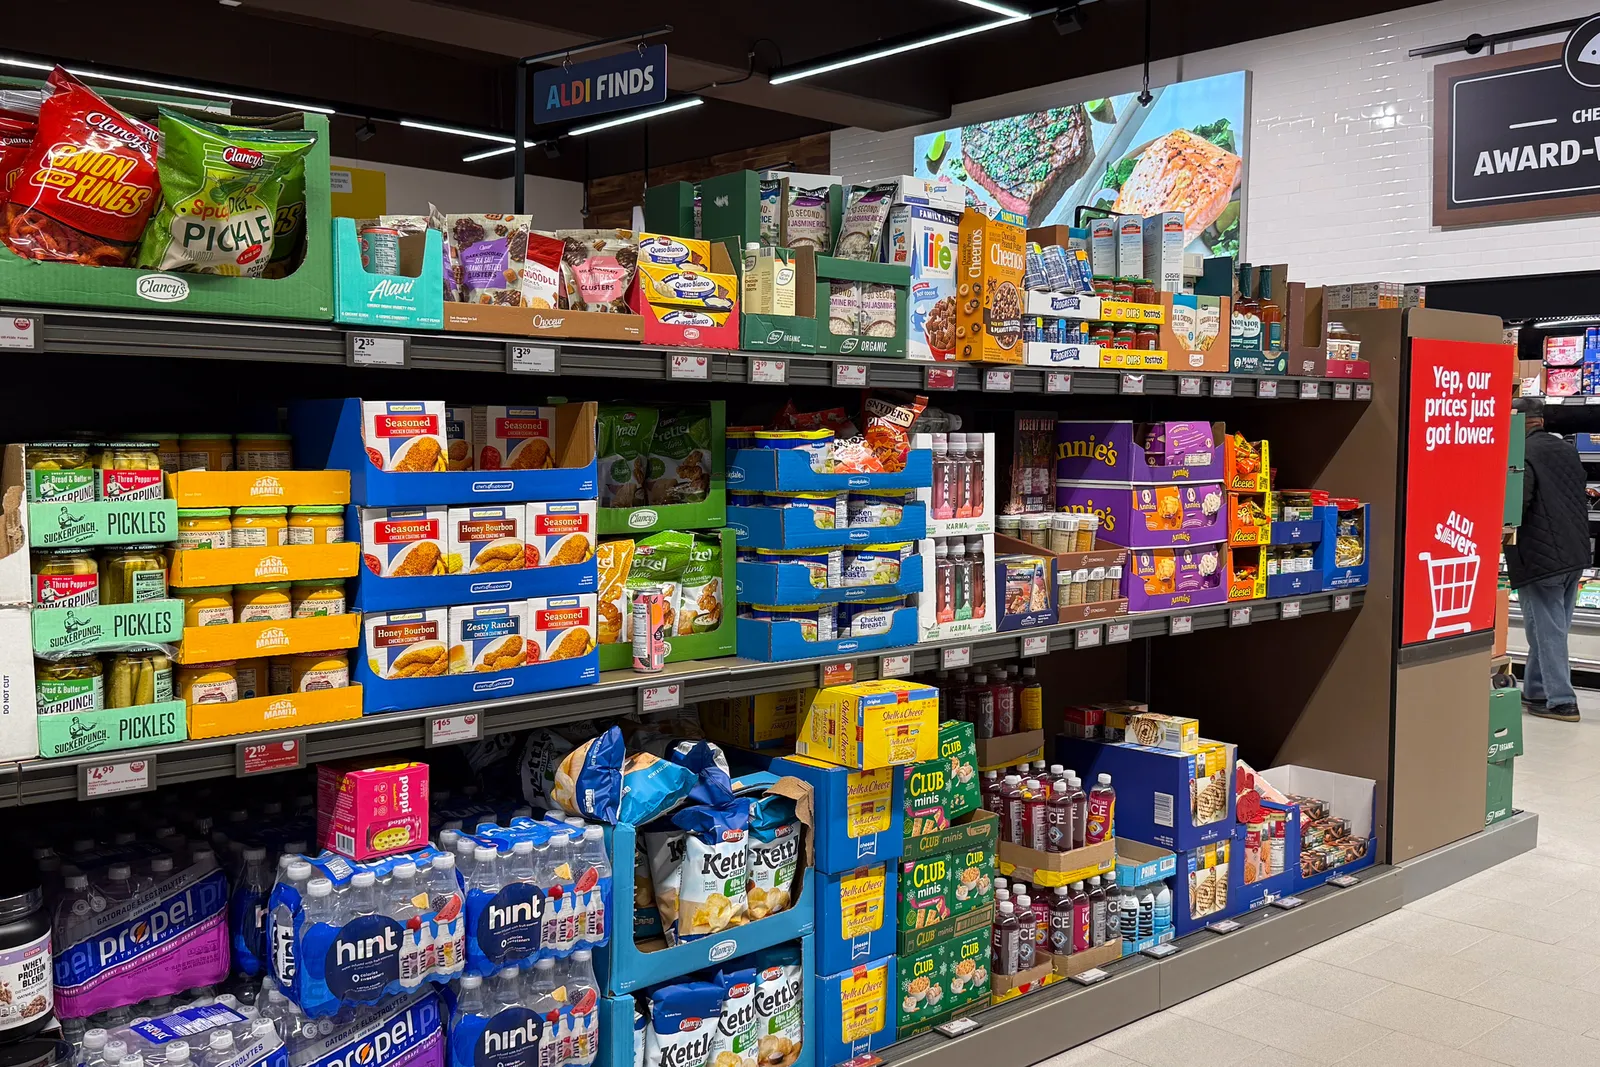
(856, 1010)
(560, 533)
(488, 637)
(868, 725)
(407, 644)
(487, 539)
(405, 436)
(856, 815)
(406, 542)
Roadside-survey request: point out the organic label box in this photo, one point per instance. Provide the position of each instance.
(831, 269)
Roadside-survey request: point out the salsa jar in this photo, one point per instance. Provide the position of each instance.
(205, 528)
(266, 602)
(316, 524)
(262, 452)
(264, 527)
(322, 596)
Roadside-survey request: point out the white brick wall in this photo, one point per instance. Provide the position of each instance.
(1339, 154)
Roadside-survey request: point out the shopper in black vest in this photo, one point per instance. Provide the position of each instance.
(1545, 564)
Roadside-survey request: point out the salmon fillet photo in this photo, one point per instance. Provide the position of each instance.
(1181, 172)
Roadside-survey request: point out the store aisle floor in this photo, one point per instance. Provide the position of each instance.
(1502, 968)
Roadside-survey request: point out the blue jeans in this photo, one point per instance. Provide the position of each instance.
(1547, 607)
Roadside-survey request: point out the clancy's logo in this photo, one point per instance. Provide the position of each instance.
(1087, 449)
(642, 517)
(162, 288)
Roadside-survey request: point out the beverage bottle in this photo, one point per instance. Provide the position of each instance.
(466, 850)
(281, 927)
(123, 838)
(1163, 912)
(980, 706)
(1004, 939)
(592, 857)
(294, 1029)
(505, 991)
(1058, 817)
(944, 578)
(1022, 909)
(1278, 842)
(219, 1046)
(1061, 921)
(360, 896)
(320, 906)
(1080, 811)
(414, 937)
(541, 990)
(470, 999)
(1011, 821)
(1127, 916)
(975, 455)
(112, 1057)
(448, 839)
(178, 1054)
(118, 884)
(980, 572)
(159, 870)
(1097, 913)
(520, 867)
(959, 682)
(583, 994)
(1081, 914)
(276, 1008)
(485, 870)
(133, 1059)
(91, 1045)
(963, 469)
(1147, 913)
(79, 903)
(1005, 706)
(1001, 882)
(944, 483)
(1033, 815)
(1039, 900)
(1030, 701)
(1101, 805)
(1002, 894)
(961, 568)
(448, 953)
(1039, 768)
(989, 789)
(248, 909)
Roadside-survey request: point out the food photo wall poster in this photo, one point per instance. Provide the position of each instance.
(1458, 419)
(1185, 151)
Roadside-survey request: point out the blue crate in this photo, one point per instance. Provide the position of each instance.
(327, 434)
(790, 583)
(760, 527)
(1296, 533)
(872, 802)
(1181, 921)
(788, 470)
(409, 694)
(1140, 865)
(835, 951)
(1149, 783)
(1348, 796)
(826, 1034)
(1297, 584)
(1264, 891)
(775, 641)
(1322, 559)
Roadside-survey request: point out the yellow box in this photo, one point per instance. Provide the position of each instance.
(767, 720)
(249, 489)
(247, 640)
(1132, 359)
(1175, 733)
(275, 713)
(277, 563)
(1120, 311)
(867, 725)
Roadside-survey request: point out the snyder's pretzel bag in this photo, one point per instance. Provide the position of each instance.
(88, 184)
(220, 188)
(712, 886)
(887, 440)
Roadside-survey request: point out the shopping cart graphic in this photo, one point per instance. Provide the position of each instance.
(1452, 581)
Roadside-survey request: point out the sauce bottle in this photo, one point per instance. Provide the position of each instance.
(1081, 913)
(980, 706)
(1061, 921)
(1011, 821)
(1097, 913)
(1026, 943)
(1058, 815)
(1033, 815)
(1004, 939)
(1030, 701)
(1102, 806)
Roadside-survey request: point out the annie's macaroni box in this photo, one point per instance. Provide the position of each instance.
(364, 813)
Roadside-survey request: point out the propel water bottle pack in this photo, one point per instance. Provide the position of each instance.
(401, 1032)
(214, 1034)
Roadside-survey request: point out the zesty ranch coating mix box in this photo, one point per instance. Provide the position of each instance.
(867, 725)
(488, 637)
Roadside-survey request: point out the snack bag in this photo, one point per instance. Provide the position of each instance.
(88, 183)
(683, 1024)
(289, 228)
(711, 889)
(491, 252)
(660, 560)
(864, 219)
(542, 754)
(680, 457)
(887, 441)
(735, 1042)
(625, 434)
(599, 780)
(663, 847)
(597, 268)
(613, 558)
(773, 855)
(804, 219)
(700, 595)
(19, 122)
(780, 1015)
(646, 915)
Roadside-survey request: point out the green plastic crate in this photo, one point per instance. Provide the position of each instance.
(1505, 723)
(1513, 516)
(1516, 453)
(1497, 802)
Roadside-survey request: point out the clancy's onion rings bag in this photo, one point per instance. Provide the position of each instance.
(220, 188)
(19, 122)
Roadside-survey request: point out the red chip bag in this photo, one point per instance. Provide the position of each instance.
(87, 185)
(16, 138)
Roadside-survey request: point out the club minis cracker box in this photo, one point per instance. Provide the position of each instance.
(941, 790)
(365, 813)
(867, 725)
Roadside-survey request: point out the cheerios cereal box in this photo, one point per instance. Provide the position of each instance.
(364, 813)
(867, 725)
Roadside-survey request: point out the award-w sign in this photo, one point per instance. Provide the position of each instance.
(1517, 136)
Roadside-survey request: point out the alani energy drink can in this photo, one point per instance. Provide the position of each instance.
(649, 629)
(380, 249)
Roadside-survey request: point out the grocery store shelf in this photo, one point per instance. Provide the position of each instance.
(39, 780)
(1039, 1025)
(68, 331)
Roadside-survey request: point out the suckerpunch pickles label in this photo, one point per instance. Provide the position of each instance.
(65, 695)
(60, 486)
(148, 585)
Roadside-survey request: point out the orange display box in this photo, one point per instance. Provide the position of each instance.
(1244, 473)
(284, 712)
(246, 566)
(249, 489)
(247, 640)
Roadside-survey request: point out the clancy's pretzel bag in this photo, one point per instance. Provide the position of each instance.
(88, 184)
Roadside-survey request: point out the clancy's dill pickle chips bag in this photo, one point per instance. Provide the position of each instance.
(220, 188)
(289, 231)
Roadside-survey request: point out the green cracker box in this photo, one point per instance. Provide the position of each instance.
(958, 746)
(971, 878)
(923, 986)
(967, 967)
(941, 790)
(927, 891)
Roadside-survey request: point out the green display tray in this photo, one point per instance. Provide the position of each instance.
(79, 734)
(58, 631)
(850, 270)
(102, 522)
(719, 642)
(709, 514)
(777, 333)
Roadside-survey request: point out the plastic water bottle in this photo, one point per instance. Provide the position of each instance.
(177, 1054)
(558, 891)
(506, 990)
(79, 902)
(90, 1047)
(1147, 913)
(360, 898)
(540, 995)
(448, 839)
(592, 857)
(281, 924)
(118, 884)
(466, 850)
(219, 1047)
(469, 997)
(1128, 908)
(320, 904)
(248, 913)
(448, 953)
(521, 867)
(403, 890)
(485, 869)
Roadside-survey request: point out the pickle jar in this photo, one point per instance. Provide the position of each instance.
(205, 528)
(65, 578)
(260, 527)
(323, 596)
(71, 684)
(128, 455)
(266, 602)
(207, 605)
(58, 472)
(316, 524)
(139, 678)
(133, 574)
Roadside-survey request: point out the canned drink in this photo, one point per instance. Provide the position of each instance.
(649, 630)
(380, 249)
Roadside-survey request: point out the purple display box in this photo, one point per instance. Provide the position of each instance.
(1157, 579)
(1110, 451)
(1150, 516)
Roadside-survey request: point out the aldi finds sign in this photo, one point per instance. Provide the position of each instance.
(614, 83)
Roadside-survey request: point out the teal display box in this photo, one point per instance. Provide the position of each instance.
(412, 299)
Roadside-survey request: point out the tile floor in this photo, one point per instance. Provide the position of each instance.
(1502, 968)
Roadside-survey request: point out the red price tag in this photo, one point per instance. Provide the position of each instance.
(267, 757)
(841, 673)
(942, 378)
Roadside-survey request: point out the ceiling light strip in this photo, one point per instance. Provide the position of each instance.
(993, 8)
(827, 67)
(638, 116)
(168, 87)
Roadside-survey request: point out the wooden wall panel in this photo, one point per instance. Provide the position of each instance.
(611, 199)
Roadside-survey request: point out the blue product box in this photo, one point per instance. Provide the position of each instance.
(1140, 864)
(1154, 787)
(1295, 533)
(1207, 873)
(773, 641)
(1324, 559)
(327, 434)
(1349, 798)
(788, 470)
(1297, 584)
(856, 916)
(854, 1016)
(413, 302)
(790, 583)
(760, 527)
(408, 694)
(1245, 882)
(857, 816)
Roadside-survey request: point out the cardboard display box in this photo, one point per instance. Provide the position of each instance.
(1161, 796)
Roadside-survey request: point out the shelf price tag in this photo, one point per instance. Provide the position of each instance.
(660, 697)
(955, 656)
(1222, 926)
(1091, 976)
(1181, 624)
(454, 730)
(942, 379)
(1309, 391)
(765, 371)
(1118, 632)
(685, 367)
(530, 359)
(377, 350)
(1086, 637)
(997, 380)
(850, 375)
(1363, 390)
(1341, 391)
(1341, 602)
(1239, 616)
(1222, 387)
(1188, 386)
(20, 333)
(1344, 881)
(268, 757)
(1287, 903)
(1131, 384)
(1289, 610)
(957, 1027)
(1035, 644)
(895, 666)
(1160, 952)
(1058, 381)
(115, 779)
(1266, 389)
(840, 673)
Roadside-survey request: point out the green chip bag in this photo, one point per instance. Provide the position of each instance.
(624, 433)
(220, 189)
(289, 232)
(700, 595)
(680, 457)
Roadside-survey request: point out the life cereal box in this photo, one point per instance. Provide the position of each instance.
(514, 438)
(407, 644)
(488, 637)
(561, 627)
(404, 542)
(487, 539)
(405, 436)
(561, 533)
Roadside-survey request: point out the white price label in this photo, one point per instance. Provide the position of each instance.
(660, 697)
(688, 368)
(1086, 637)
(957, 1027)
(1591, 400)
(1308, 391)
(896, 666)
(955, 656)
(19, 331)
(368, 351)
(1344, 881)
(1222, 926)
(1341, 390)
(530, 359)
(1239, 616)
(850, 375)
(1160, 952)
(1058, 381)
(1188, 386)
(1363, 390)
(1181, 624)
(111, 779)
(1091, 976)
(1341, 602)
(454, 730)
(769, 371)
(997, 380)
(1267, 390)
(1118, 632)
(1222, 387)
(1035, 644)
(1557, 400)
(1287, 903)
(1131, 385)
(1289, 610)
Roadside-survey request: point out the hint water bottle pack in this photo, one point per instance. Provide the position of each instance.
(536, 889)
(344, 933)
(215, 1035)
(405, 1031)
(138, 921)
(546, 1016)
